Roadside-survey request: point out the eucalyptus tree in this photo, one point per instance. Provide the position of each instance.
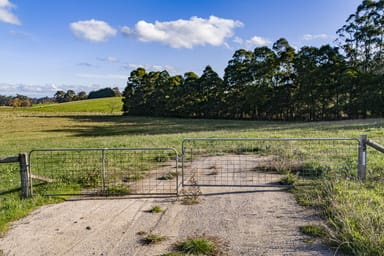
(362, 38)
(237, 76)
(174, 96)
(332, 69)
(59, 96)
(133, 100)
(307, 82)
(210, 94)
(187, 93)
(260, 90)
(284, 75)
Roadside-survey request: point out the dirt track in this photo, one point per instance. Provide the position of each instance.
(260, 222)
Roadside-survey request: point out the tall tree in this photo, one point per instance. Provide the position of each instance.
(59, 96)
(362, 38)
(133, 100)
(260, 90)
(210, 93)
(285, 75)
(237, 76)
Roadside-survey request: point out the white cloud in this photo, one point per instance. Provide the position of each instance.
(31, 90)
(238, 40)
(309, 37)
(38, 91)
(20, 34)
(92, 30)
(103, 76)
(185, 33)
(257, 41)
(5, 13)
(127, 31)
(85, 64)
(148, 67)
(109, 59)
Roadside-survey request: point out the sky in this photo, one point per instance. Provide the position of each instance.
(85, 45)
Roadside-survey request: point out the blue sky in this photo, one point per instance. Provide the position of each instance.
(50, 45)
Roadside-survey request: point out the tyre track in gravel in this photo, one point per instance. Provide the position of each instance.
(97, 227)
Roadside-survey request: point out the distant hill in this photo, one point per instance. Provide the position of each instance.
(104, 105)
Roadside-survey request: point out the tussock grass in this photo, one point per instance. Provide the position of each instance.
(353, 212)
(356, 214)
(168, 176)
(156, 209)
(153, 238)
(314, 231)
(200, 246)
(169, 254)
(118, 190)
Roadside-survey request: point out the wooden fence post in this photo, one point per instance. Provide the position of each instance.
(24, 175)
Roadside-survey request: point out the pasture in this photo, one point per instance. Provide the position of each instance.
(353, 209)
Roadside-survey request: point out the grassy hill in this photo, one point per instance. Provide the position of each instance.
(103, 105)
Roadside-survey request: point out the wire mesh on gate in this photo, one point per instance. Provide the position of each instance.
(119, 171)
(266, 162)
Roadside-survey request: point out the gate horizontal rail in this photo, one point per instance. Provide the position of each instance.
(104, 171)
(261, 162)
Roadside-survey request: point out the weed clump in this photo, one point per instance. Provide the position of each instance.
(156, 209)
(118, 190)
(193, 193)
(168, 176)
(200, 246)
(153, 239)
(313, 231)
(173, 254)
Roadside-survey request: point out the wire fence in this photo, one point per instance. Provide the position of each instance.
(118, 171)
(205, 162)
(266, 162)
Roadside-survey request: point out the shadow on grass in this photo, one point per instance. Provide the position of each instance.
(10, 191)
(115, 125)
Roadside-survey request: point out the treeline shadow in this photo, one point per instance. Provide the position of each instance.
(115, 125)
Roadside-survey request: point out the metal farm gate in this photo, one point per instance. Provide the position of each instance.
(262, 162)
(244, 162)
(103, 171)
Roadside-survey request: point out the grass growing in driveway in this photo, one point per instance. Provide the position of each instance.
(156, 209)
(153, 239)
(199, 246)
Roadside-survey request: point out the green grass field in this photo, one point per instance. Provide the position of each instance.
(102, 105)
(353, 210)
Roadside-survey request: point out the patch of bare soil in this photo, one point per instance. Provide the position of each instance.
(248, 221)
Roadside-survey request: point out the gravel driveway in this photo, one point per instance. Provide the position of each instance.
(260, 222)
(247, 221)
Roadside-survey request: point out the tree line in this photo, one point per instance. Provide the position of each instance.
(59, 97)
(278, 83)
(70, 95)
